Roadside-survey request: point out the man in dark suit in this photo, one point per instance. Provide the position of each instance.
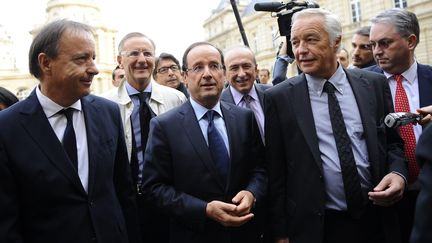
(241, 72)
(394, 36)
(327, 147)
(64, 170)
(421, 231)
(203, 162)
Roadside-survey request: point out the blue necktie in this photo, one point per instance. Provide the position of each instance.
(217, 147)
(350, 177)
(69, 138)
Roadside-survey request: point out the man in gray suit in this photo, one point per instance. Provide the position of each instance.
(242, 71)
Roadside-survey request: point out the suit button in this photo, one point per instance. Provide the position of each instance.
(91, 203)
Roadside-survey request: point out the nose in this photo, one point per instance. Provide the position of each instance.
(376, 49)
(241, 72)
(92, 69)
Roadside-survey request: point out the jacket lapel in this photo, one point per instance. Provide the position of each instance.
(94, 137)
(424, 76)
(364, 94)
(35, 122)
(302, 107)
(193, 131)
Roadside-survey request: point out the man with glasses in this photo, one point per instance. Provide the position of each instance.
(167, 72)
(394, 36)
(140, 99)
(362, 55)
(205, 159)
(242, 91)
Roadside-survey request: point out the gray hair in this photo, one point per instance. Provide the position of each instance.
(332, 24)
(48, 40)
(405, 22)
(132, 35)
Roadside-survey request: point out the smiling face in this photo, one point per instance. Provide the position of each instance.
(393, 53)
(311, 47)
(206, 86)
(67, 77)
(241, 69)
(137, 59)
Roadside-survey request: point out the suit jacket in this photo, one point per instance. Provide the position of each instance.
(424, 76)
(260, 88)
(162, 99)
(41, 196)
(421, 231)
(180, 177)
(296, 183)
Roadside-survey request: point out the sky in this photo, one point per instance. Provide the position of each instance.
(172, 24)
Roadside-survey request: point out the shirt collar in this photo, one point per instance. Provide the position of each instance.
(50, 107)
(132, 91)
(237, 96)
(410, 74)
(200, 110)
(338, 79)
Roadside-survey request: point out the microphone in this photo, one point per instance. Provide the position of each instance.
(269, 6)
(397, 119)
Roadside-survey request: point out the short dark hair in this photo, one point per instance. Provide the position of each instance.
(266, 70)
(48, 40)
(7, 97)
(364, 31)
(132, 35)
(164, 56)
(200, 43)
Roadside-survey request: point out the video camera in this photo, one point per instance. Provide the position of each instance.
(284, 12)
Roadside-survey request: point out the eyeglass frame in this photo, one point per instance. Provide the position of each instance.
(146, 54)
(216, 67)
(164, 70)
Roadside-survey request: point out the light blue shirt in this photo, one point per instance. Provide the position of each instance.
(335, 195)
(255, 105)
(200, 113)
(132, 92)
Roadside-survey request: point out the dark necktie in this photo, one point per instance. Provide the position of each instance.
(69, 138)
(350, 177)
(217, 147)
(407, 131)
(247, 99)
(144, 116)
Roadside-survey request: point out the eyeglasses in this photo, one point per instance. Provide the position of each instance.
(199, 69)
(164, 70)
(136, 53)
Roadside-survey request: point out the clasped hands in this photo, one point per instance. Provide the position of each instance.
(232, 214)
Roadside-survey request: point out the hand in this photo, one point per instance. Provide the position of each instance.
(283, 49)
(244, 201)
(225, 214)
(389, 190)
(426, 112)
(284, 240)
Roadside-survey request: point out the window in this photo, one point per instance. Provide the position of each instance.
(355, 10)
(400, 3)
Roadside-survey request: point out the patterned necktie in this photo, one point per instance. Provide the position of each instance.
(247, 99)
(407, 131)
(350, 176)
(217, 147)
(69, 138)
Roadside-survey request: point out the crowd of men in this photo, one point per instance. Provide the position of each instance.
(202, 152)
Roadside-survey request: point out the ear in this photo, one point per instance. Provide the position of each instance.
(44, 63)
(185, 79)
(412, 41)
(119, 61)
(338, 42)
